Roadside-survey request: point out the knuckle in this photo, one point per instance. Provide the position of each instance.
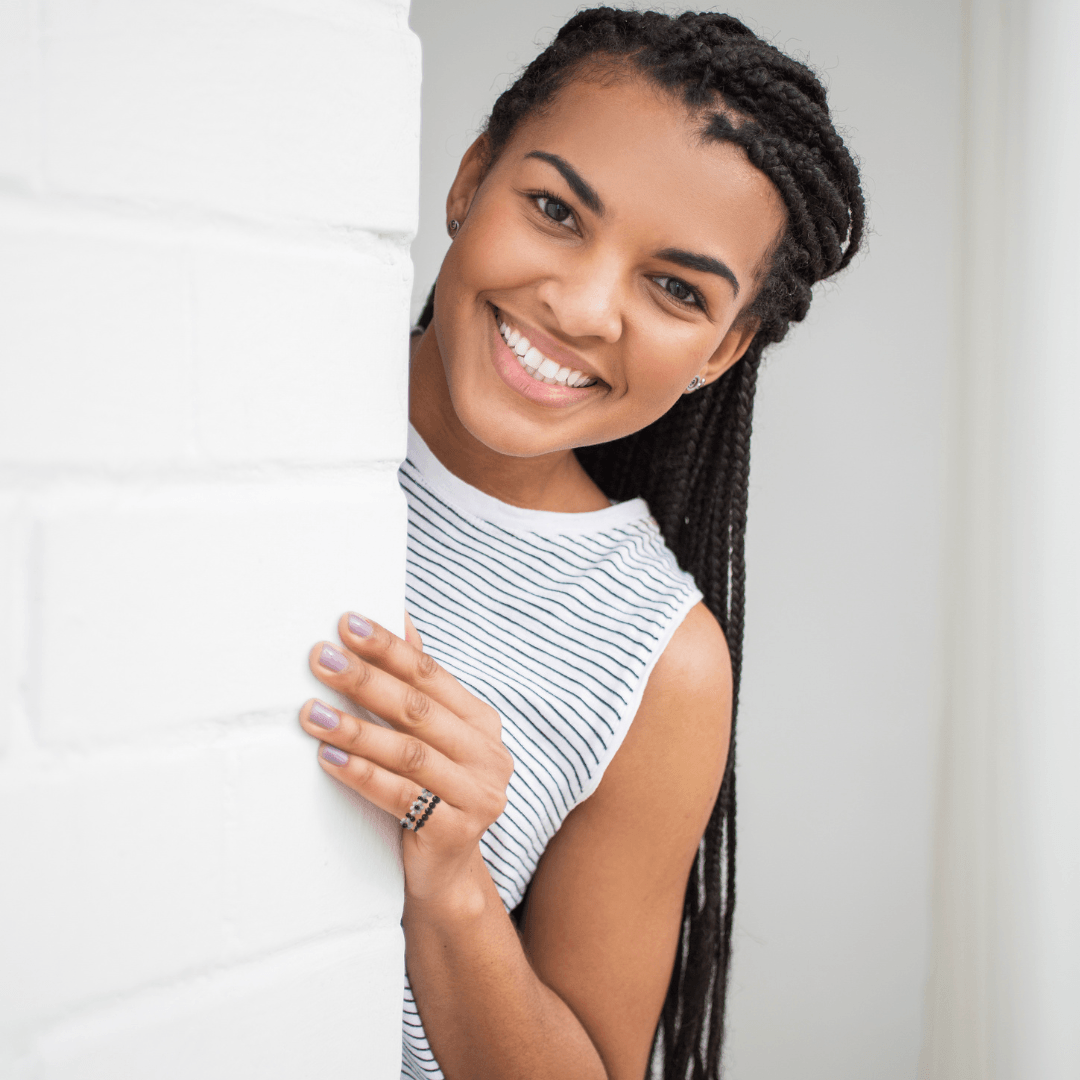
(380, 642)
(416, 707)
(414, 755)
(362, 675)
(501, 764)
(362, 772)
(494, 805)
(427, 667)
(507, 764)
(357, 738)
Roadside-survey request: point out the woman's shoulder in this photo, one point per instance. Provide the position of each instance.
(677, 746)
(692, 681)
(683, 726)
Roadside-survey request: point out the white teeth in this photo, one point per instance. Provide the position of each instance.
(537, 365)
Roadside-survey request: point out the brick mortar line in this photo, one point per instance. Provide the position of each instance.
(34, 479)
(42, 761)
(25, 206)
(120, 1009)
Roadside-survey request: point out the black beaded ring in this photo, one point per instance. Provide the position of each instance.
(420, 811)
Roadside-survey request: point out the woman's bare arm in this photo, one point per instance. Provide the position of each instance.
(603, 916)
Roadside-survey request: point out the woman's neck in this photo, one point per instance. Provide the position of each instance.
(554, 481)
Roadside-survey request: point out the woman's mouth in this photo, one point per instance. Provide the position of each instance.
(536, 365)
(533, 375)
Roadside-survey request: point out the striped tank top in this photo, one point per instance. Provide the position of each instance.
(556, 620)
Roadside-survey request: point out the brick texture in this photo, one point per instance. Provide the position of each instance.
(200, 603)
(241, 108)
(205, 211)
(194, 1031)
(95, 339)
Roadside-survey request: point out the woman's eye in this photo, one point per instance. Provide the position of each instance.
(678, 289)
(554, 209)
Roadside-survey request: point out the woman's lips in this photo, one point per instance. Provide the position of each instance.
(514, 375)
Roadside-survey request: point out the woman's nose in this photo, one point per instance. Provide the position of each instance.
(586, 298)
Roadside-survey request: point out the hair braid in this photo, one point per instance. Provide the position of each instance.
(693, 464)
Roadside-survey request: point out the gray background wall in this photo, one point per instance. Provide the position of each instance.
(839, 718)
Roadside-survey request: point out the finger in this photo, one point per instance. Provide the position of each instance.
(400, 705)
(389, 792)
(412, 665)
(412, 635)
(404, 755)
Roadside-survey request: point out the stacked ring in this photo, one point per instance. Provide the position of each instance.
(420, 811)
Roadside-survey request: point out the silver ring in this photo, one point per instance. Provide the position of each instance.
(420, 811)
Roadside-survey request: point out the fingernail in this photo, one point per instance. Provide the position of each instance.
(335, 756)
(323, 716)
(332, 660)
(360, 626)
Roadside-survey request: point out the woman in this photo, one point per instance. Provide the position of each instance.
(647, 208)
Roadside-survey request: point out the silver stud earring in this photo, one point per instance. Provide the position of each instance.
(695, 383)
(452, 228)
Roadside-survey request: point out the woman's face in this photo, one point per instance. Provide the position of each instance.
(621, 246)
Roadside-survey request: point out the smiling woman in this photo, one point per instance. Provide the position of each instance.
(610, 220)
(647, 209)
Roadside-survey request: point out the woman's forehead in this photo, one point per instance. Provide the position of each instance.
(643, 152)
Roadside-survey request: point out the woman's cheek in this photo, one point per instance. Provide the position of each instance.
(661, 367)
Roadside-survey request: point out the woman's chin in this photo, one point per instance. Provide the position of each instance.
(507, 423)
(508, 435)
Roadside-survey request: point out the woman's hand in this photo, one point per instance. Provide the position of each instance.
(441, 737)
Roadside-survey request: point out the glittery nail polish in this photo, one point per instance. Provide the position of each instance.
(360, 626)
(335, 756)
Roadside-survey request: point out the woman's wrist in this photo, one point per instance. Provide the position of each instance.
(462, 894)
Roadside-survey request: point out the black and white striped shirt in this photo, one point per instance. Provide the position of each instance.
(554, 619)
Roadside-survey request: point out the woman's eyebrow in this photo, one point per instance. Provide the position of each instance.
(705, 263)
(587, 194)
(580, 187)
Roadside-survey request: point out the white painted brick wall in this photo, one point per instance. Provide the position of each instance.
(205, 211)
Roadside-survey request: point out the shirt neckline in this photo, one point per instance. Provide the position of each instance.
(486, 507)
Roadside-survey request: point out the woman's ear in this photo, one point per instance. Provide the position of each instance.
(469, 175)
(730, 351)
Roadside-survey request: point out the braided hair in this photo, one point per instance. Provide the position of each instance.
(692, 465)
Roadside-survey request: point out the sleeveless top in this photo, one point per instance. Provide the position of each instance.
(556, 620)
